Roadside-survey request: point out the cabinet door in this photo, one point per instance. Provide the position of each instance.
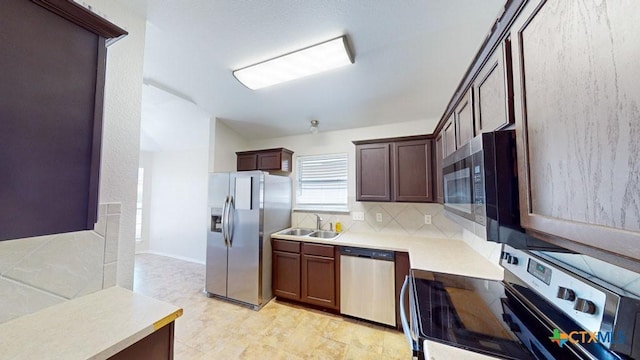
(412, 171)
(577, 112)
(286, 275)
(464, 120)
(494, 91)
(373, 172)
(437, 179)
(247, 162)
(52, 88)
(449, 137)
(269, 160)
(319, 281)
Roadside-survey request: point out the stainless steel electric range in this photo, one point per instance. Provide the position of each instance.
(542, 310)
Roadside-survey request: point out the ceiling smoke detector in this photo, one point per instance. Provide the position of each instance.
(314, 126)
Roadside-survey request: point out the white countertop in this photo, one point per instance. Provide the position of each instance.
(432, 254)
(94, 326)
(437, 351)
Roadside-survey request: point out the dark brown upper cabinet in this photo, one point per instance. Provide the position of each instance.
(494, 91)
(449, 137)
(278, 160)
(412, 173)
(398, 169)
(578, 124)
(51, 102)
(464, 120)
(373, 172)
(437, 179)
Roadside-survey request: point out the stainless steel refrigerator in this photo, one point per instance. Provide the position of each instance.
(244, 208)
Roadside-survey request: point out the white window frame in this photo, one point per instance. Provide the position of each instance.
(340, 184)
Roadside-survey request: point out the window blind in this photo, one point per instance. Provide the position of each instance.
(322, 182)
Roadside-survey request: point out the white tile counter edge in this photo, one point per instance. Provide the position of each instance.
(94, 326)
(438, 351)
(431, 254)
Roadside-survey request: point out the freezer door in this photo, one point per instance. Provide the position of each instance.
(216, 269)
(244, 250)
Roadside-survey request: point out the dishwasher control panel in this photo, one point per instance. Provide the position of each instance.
(368, 253)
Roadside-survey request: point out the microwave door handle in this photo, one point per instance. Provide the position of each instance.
(406, 329)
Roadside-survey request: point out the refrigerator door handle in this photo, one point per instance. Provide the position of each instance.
(231, 209)
(225, 220)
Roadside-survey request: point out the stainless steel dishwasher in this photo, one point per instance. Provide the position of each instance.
(367, 284)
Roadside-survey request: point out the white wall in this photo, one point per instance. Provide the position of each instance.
(175, 151)
(41, 271)
(224, 144)
(178, 209)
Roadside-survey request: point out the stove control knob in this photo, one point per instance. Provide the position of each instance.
(566, 294)
(513, 260)
(585, 306)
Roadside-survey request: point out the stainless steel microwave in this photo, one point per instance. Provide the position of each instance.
(481, 185)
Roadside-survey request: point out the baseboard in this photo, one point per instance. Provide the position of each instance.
(152, 252)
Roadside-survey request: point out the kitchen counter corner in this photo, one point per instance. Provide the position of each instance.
(95, 326)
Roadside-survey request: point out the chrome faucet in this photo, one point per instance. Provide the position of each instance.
(318, 221)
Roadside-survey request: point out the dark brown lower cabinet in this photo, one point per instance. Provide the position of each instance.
(286, 275)
(286, 269)
(306, 272)
(156, 346)
(319, 275)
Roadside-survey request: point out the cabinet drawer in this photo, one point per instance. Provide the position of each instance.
(286, 245)
(318, 250)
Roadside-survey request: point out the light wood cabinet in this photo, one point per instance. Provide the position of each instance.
(577, 101)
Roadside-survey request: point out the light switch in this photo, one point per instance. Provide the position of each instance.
(379, 217)
(357, 216)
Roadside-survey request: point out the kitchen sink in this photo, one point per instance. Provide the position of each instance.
(297, 232)
(323, 234)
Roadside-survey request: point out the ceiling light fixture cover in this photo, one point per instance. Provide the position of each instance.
(314, 59)
(314, 126)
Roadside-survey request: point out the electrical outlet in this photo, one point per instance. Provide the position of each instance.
(379, 217)
(427, 219)
(357, 216)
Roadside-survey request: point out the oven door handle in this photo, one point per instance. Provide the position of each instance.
(403, 315)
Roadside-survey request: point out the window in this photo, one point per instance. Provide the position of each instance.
(322, 182)
(139, 204)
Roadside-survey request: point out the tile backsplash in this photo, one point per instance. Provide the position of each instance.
(42, 271)
(396, 219)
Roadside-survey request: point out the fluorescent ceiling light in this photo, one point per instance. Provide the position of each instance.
(308, 61)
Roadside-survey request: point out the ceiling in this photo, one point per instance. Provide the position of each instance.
(409, 57)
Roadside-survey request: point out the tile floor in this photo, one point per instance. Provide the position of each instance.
(215, 329)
